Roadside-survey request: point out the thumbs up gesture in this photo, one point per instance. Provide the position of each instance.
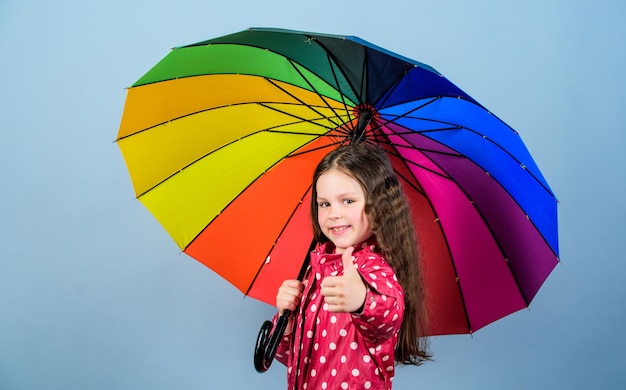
(345, 293)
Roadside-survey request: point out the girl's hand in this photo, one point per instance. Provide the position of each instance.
(288, 296)
(345, 293)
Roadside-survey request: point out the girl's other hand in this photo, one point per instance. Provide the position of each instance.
(345, 293)
(288, 296)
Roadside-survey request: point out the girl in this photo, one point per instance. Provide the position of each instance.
(360, 307)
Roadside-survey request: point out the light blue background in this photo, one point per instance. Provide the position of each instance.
(95, 295)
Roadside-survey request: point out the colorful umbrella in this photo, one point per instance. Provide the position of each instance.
(221, 138)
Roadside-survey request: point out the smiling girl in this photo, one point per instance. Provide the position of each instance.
(359, 309)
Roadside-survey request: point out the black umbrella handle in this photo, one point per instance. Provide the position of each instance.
(266, 343)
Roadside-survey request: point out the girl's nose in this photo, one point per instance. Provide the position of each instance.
(335, 212)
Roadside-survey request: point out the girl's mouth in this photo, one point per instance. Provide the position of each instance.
(338, 229)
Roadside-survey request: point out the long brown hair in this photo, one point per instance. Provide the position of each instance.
(389, 215)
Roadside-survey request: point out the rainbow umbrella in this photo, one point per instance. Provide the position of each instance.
(221, 139)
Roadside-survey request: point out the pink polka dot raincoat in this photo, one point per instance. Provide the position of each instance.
(345, 350)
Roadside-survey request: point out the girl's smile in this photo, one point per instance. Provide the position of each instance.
(341, 209)
(339, 230)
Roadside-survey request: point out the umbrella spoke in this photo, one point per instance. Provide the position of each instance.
(304, 104)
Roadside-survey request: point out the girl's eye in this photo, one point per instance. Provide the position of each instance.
(348, 201)
(323, 204)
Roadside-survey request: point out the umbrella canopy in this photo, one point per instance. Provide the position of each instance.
(221, 139)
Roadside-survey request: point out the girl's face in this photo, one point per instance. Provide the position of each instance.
(341, 209)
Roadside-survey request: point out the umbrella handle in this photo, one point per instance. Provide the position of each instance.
(266, 344)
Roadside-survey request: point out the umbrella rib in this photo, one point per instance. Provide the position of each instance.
(406, 114)
(343, 99)
(389, 92)
(445, 238)
(486, 224)
(443, 235)
(322, 97)
(332, 62)
(300, 203)
(299, 118)
(413, 163)
(409, 132)
(264, 104)
(337, 143)
(302, 102)
(236, 197)
(395, 146)
(363, 90)
(457, 127)
(268, 130)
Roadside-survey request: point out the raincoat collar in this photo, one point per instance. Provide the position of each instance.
(327, 249)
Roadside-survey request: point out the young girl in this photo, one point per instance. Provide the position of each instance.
(360, 306)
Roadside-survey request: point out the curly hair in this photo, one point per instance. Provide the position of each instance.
(389, 215)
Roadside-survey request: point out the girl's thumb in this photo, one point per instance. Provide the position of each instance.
(348, 264)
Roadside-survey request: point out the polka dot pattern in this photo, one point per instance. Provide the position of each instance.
(345, 350)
